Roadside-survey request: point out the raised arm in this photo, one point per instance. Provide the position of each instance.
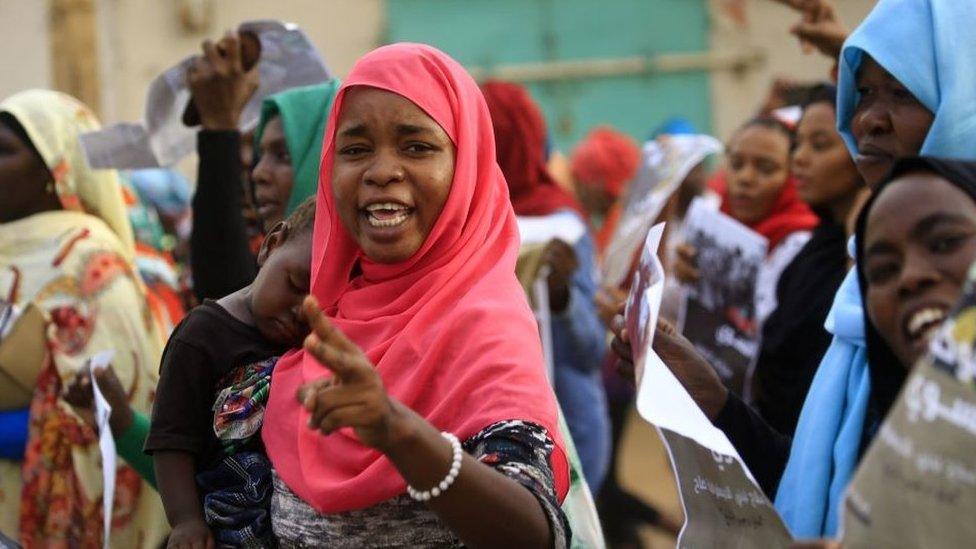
(221, 258)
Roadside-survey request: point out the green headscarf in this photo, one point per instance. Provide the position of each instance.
(304, 112)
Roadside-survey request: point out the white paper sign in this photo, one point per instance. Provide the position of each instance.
(723, 506)
(665, 163)
(106, 442)
(541, 229)
(719, 313)
(540, 291)
(288, 60)
(661, 399)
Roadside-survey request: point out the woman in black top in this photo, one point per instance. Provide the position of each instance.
(793, 337)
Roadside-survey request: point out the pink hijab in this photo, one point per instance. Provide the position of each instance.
(449, 329)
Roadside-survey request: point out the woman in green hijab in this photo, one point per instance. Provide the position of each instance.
(288, 146)
(289, 141)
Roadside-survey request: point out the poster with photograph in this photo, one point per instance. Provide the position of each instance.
(665, 163)
(723, 506)
(916, 485)
(719, 312)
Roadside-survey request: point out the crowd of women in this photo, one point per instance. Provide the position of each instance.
(330, 342)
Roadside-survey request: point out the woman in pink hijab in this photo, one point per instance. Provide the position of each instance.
(418, 412)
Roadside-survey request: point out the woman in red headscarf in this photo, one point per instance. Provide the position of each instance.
(758, 190)
(602, 165)
(578, 337)
(422, 341)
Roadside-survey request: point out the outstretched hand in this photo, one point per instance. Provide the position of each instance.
(354, 396)
(694, 373)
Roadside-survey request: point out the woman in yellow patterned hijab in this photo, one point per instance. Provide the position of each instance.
(66, 250)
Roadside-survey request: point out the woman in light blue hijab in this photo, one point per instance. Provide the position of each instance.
(907, 87)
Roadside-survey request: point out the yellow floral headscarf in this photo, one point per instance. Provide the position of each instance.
(53, 121)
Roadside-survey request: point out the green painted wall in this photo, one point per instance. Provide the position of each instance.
(485, 33)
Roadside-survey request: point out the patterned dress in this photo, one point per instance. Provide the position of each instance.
(75, 266)
(517, 449)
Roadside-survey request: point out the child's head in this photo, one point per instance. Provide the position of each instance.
(282, 282)
(758, 168)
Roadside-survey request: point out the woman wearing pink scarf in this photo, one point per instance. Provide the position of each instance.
(422, 341)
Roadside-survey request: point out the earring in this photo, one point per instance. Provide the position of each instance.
(50, 187)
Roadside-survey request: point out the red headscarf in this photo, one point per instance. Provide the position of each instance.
(520, 140)
(788, 215)
(606, 157)
(449, 330)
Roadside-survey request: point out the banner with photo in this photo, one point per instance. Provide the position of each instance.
(665, 163)
(723, 505)
(719, 312)
(285, 59)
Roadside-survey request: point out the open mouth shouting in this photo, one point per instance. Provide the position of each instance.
(386, 214)
(921, 324)
(385, 220)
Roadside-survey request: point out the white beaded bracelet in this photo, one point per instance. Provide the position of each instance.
(452, 475)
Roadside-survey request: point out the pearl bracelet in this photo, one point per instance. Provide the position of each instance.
(452, 475)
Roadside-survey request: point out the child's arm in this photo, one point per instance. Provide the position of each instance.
(176, 473)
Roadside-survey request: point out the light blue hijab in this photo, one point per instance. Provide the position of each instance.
(930, 47)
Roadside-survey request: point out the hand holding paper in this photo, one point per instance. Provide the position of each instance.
(221, 82)
(287, 60)
(690, 368)
(81, 396)
(723, 506)
(106, 443)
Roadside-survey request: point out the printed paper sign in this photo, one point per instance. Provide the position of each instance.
(723, 505)
(665, 163)
(719, 313)
(287, 60)
(106, 442)
(916, 485)
(646, 293)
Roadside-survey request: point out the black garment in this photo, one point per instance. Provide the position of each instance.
(763, 449)
(793, 343)
(220, 257)
(621, 513)
(793, 337)
(204, 347)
